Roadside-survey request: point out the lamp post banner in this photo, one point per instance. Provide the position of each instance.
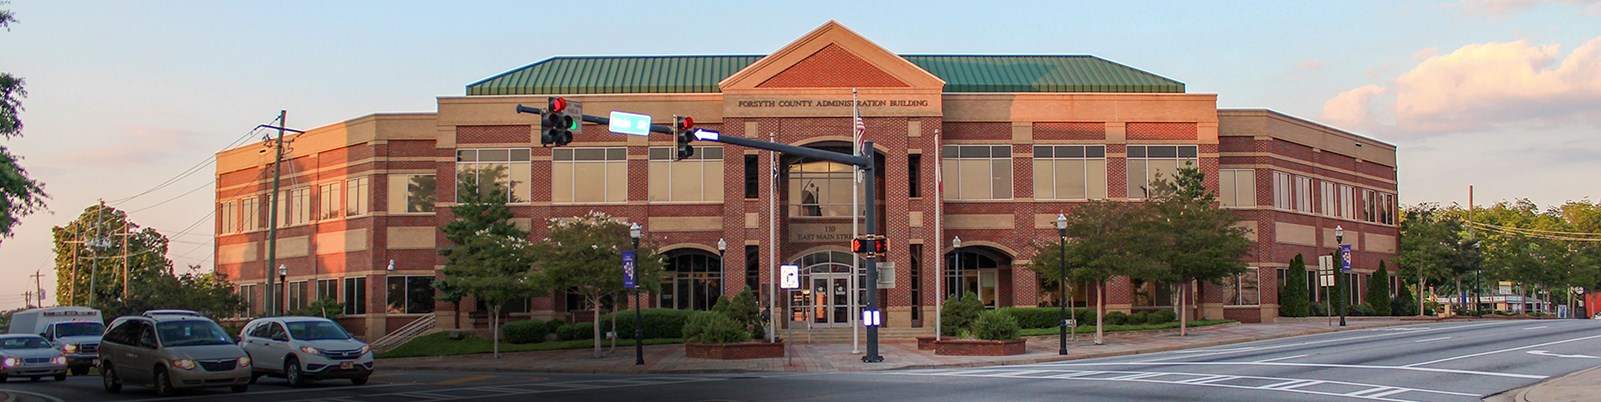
(1345, 257)
(628, 269)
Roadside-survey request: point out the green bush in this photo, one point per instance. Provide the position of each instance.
(1317, 310)
(1138, 317)
(1378, 292)
(959, 314)
(526, 331)
(1294, 297)
(1360, 310)
(708, 327)
(1116, 318)
(659, 322)
(1161, 317)
(1085, 317)
(996, 326)
(1404, 303)
(553, 324)
(575, 331)
(1034, 317)
(743, 309)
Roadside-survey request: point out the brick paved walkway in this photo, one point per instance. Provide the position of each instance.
(897, 355)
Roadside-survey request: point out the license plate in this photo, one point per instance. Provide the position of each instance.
(346, 365)
(95, 363)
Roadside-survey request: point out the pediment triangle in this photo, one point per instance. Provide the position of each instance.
(832, 56)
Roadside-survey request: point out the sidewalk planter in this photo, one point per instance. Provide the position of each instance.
(732, 351)
(968, 347)
(925, 343)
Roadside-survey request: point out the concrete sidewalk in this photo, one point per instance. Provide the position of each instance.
(897, 355)
(1584, 385)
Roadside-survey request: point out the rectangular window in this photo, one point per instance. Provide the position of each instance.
(230, 217)
(1148, 162)
(252, 300)
(977, 172)
(358, 202)
(914, 179)
(328, 200)
(1282, 191)
(1069, 172)
(411, 294)
(1237, 188)
(412, 193)
(1303, 194)
(327, 289)
(916, 253)
(506, 169)
(591, 175)
(698, 178)
(753, 269)
(297, 295)
(1326, 198)
(1368, 208)
(355, 295)
(294, 207)
(1243, 289)
(752, 180)
(1347, 202)
(250, 214)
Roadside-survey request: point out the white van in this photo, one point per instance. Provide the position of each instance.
(75, 331)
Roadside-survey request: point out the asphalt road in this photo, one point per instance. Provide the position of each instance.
(1447, 361)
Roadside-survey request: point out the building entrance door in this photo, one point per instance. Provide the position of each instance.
(830, 299)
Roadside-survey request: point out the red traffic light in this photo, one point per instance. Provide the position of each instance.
(688, 123)
(859, 246)
(558, 105)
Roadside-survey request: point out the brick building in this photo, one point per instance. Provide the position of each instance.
(1016, 139)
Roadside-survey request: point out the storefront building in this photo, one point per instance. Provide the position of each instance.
(984, 148)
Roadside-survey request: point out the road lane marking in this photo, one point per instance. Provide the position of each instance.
(1304, 384)
(464, 380)
(502, 390)
(1433, 339)
(32, 394)
(1279, 358)
(1529, 328)
(1501, 351)
(286, 391)
(1545, 353)
(1335, 339)
(1291, 384)
(1359, 394)
(1280, 384)
(1207, 379)
(1388, 393)
(1318, 365)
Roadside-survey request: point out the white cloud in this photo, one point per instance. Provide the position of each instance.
(1505, 8)
(1481, 86)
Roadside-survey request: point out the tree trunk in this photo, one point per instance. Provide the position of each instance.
(595, 303)
(1460, 296)
(1183, 311)
(456, 322)
(1100, 309)
(494, 328)
(1421, 286)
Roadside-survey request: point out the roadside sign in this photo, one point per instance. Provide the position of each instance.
(628, 269)
(706, 135)
(1345, 257)
(871, 318)
(1325, 270)
(1072, 322)
(630, 123)
(789, 276)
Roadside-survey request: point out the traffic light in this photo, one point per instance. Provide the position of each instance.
(684, 132)
(560, 122)
(870, 245)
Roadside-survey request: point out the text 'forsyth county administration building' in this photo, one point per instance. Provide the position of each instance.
(1015, 139)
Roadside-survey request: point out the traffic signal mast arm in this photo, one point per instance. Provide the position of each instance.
(654, 128)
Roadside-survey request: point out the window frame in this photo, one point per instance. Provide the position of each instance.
(1054, 156)
(406, 290)
(952, 154)
(354, 295)
(665, 157)
(1234, 294)
(607, 154)
(517, 160)
(1145, 158)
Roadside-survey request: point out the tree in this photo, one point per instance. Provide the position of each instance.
(1403, 303)
(1379, 291)
(208, 293)
(1293, 296)
(19, 195)
(583, 256)
(1106, 239)
(488, 258)
(1200, 241)
(90, 258)
(1429, 241)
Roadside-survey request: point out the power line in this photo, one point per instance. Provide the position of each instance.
(192, 169)
(186, 193)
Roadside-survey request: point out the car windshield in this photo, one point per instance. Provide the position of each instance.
(191, 333)
(80, 328)
(24, 343)
(316, 330)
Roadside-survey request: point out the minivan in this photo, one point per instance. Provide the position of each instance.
(170, 353)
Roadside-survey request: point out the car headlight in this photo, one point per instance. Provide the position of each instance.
(11, 361)
(70, 348)
(185, 364)
(365, 349)
(59, 360)
(244, 361)
(310, 350)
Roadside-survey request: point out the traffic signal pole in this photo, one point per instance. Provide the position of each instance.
(865, 162)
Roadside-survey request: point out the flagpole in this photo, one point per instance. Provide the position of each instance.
(772, 248)
(939, 236)
(856, 199)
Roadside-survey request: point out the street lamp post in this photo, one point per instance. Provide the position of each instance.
(283, 272)
(956, 253)
(722, 248)
(639, 327)
(1061, 281)
(1339, 258)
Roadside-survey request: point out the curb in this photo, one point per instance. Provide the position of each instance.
(1522, 394)
(1036, 360)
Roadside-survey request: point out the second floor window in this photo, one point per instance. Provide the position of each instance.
(1069, 172)
(589, 175)
(696, 178)
(507, 169)
(1147, 162)
(977, 172)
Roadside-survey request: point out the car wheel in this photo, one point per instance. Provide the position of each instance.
(61, 377)
(359, 380)
(80, 370)
(2, 378)
(293, 374)
(163, 382)
(255, 376)
(109, 378)
(239, 388)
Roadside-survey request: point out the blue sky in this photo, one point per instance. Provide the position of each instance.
(1501, 94)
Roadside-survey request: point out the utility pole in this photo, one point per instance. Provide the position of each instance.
(72, 284)
(125, 260)
(38, 286)
(27, 299)
(94, 248)
(272, 212)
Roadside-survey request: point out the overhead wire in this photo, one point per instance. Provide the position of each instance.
(192, 169)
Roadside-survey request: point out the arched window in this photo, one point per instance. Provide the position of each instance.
(974, 269)
(692, 280)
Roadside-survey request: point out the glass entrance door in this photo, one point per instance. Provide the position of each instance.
(830, 299)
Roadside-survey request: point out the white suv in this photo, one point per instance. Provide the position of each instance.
(304, 349)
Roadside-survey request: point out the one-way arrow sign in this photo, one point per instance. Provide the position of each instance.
(1544, 353)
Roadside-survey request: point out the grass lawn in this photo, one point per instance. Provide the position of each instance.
(440, 344)
(1090, 329)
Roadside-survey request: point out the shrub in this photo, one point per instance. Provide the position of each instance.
(708, 327)
(1404, 303)
(526, 331)
(1294, 297)
(575, 331)
(1379, 291)
(553, 324)
(1360, 310)
(996, 326)
(959, 314)
(1034, 317)
(1137, 318)
(1316, 310)
(1116, 318)
(1161, 317)
(658, 322)
(1084, 316)
(743, 309)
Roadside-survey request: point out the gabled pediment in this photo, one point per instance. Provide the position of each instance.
(832, 56)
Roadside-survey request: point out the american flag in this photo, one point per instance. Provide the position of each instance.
(860, 129)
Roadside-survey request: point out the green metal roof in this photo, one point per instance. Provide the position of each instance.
(700, 74)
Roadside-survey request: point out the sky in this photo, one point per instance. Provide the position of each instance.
(1504, 95)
